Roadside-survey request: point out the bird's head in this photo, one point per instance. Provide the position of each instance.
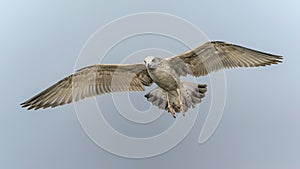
(151, 62)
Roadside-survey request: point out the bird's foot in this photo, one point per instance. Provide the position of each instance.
(172, 111)
(180, 102)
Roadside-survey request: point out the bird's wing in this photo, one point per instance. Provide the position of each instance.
(91, 81)
(213, 56)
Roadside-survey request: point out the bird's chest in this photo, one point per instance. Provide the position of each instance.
(164, 78)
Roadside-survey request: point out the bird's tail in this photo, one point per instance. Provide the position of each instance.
(191, 94)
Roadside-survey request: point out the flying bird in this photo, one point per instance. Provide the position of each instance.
(171, 93)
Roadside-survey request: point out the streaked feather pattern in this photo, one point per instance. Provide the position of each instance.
(100, 79)
(91, 81)
(213, 56)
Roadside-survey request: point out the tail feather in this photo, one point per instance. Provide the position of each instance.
(191, 94)
(158, 98)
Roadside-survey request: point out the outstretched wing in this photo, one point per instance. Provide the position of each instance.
(213, 56)
(91, 81)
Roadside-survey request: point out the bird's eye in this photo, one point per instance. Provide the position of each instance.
(144, 61)
(153, 59)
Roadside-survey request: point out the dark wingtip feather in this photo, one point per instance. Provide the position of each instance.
(25, 105)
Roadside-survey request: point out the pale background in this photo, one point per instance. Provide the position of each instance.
(39, 44)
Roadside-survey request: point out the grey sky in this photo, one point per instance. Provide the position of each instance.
(40, 42)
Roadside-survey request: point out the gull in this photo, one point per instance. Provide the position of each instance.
(171, 94)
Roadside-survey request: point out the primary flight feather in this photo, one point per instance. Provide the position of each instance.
(171, 93)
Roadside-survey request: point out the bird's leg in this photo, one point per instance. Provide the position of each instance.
(170, 106)
(180, 101)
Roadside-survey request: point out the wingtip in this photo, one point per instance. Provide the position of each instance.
(26, 105)
(279, 59)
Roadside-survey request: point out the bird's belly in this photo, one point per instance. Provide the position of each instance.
(164, 80)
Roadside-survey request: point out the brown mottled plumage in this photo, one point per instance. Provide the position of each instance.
(91, 81)
(171, 94)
